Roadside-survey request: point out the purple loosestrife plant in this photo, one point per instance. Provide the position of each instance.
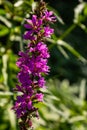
(33, 65)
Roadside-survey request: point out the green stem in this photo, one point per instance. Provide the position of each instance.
(68, 31)
(65, 34)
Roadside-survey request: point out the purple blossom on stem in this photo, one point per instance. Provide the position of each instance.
(34, 26)
(33, 65)
(49, 16)
(29, 35)
(48, 31)
(39, 97)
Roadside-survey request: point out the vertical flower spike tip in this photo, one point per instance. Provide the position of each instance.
(33, 65)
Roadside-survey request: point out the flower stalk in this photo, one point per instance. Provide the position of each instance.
(33, 65)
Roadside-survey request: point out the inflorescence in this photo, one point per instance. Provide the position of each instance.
(33, 65)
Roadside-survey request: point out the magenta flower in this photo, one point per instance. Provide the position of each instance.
(34, 26)
(29, 35)
(48, 31)
(41, 82)
(39, 97)
(43, 50)
(49, 16)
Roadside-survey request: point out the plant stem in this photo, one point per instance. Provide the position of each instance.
(65, 34)
(68, 31)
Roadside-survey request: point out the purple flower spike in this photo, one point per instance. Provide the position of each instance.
(33, 65)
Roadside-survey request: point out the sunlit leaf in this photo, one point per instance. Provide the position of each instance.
(5, 21)
(78, 10)
(12, 117)
(2, 12)
(3, 30)
(5, 94)
(18, 3)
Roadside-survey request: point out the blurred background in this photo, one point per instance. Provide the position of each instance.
(65, 101)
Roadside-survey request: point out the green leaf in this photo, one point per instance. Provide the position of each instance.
(76, 119)
(12, 117)
(68, 47)
(63, 52)
(82, 93)
(2, 12)
(85, 10)
(8, 6)
(5, 21)
(3, 30)
(5, 94)
(72, 50)
(83, 27)
(18, 3)
(77, 11)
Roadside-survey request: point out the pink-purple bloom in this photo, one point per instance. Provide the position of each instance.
(48, 31)
(33, 65)
(33, 26)
(49, 16)
(39, 97)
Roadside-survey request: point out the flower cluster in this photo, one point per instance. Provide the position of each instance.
(33, 66)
